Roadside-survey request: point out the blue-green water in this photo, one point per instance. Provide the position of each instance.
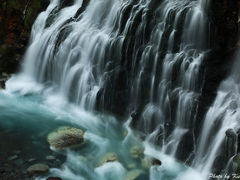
(26, 120)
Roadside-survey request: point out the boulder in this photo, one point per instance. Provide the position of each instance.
(230, 133)
(31, 160)
(156, 162)
(14, 157)
(38, 169)
(65, 137)
(146, 163)
(50, 158)
(109, 157)
(136, 152)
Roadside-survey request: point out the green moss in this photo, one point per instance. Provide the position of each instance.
(32, 12)
(28, 18)
(4, 5)
(15, 4)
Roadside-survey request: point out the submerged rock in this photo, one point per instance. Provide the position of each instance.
(3, 78)
(136, 151)
(38, 169)
(109, 157)
(82, 158)
(146, 163)
(134, 174)
(31, 160)
(131, 166)
(125, 133)
(50, 158)
(65, 137)
(11, 158)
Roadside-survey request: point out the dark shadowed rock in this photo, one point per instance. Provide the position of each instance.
(38, 169)
(156, 162)
(54, 178)
(230, 133)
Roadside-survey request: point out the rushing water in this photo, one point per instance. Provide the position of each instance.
(28, 119)
(123, 56)
(120, 56)
(222, 117)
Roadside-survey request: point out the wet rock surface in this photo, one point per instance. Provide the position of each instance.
(38, 168)
(65, 137)
(137, 152)
(109, 157)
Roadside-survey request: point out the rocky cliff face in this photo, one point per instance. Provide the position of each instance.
(16, 19)
(224, 28)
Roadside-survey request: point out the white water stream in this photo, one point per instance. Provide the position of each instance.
(72, 57)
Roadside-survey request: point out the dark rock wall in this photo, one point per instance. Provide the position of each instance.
(16, 19)
(223, 15)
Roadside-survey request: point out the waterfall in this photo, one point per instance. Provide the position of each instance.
(138, 58)
(143, 55)
(221, 125)
(175, 75)
(81, 49)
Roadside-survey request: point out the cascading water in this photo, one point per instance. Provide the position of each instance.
(125, 56)
(177, 85)
(220, 127)
(81, 54)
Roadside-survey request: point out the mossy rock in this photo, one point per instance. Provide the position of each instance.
(38, 169)
(66, 137)
(136, 152)
(109, 157)
(146, 163)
